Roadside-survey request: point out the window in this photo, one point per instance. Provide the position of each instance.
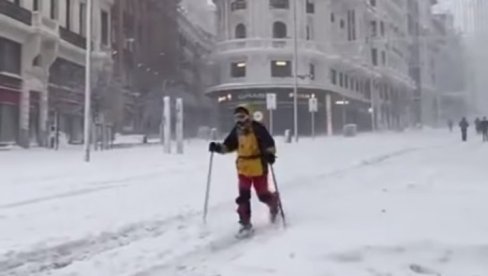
(238, 5)
(279, 30)
(280, 68)
(372, 3)
(351, 25)
(311, 71)
(54, 9)
(35, 5)
(343, 24)
(351, 83)
(240, 31)
(346, 81)
(341, 79)
(68, 14)
(279, 4)
(374, 28)
(332, 17)
(333, 76)
(10, 56)
(310, 6)
(309, 33)
(105, 26)
(238, 69)
(382, 28)
(358, 86)
(374, 56)
(383, 57)
(82, 19)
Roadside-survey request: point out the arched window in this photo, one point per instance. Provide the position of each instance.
(279, 29)
(240, 31)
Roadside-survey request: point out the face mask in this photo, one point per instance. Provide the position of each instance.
(241, 120)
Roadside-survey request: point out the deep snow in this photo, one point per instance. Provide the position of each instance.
(379, 204)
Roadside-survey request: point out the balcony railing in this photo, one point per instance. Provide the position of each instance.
(72, 38)
(273, 44)
(16, 12)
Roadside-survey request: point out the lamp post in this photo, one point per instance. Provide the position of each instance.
(87, 115)
(295, 75)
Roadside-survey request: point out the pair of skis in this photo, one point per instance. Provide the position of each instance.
(207, 193)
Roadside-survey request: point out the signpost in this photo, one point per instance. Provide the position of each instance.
(271, 105)
(179, 125)
(313, 107)
(167, 124)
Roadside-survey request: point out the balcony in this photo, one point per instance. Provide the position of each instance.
(45, 25)
(72, 38)
(16, 12)
(238, 45)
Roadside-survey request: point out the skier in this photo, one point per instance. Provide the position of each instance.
(464, 128)
(255, 150)
(484, 128)
(477, 124)
(450, 124)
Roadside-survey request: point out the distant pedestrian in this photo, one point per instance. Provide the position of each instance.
(450, 124)
(477, 124)
(464, 129)
(484, 129)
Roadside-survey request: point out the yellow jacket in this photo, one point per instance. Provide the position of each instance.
(251, 145)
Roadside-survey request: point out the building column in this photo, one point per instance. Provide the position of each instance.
(43, 117)
(24, 108)
(328, 109)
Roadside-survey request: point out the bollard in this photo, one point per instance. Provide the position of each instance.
(350, 130)
(288, 136)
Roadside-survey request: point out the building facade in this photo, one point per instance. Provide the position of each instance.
(42, 55)
(145, 53)
(195, 70)
(352, 56)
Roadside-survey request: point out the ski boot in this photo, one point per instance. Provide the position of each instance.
(245, 231)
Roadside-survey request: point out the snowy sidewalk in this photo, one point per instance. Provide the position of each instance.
(138, 211)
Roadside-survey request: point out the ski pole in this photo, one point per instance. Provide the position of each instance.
(280, 204)
(207, 192)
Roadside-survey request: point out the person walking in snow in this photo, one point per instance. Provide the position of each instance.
(450, 124)
(464, 129)
(484, 129)
(255, 150)
(477, 125)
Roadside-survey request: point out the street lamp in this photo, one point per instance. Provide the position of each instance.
(295, 75)
(87, 115)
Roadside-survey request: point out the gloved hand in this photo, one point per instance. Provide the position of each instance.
(270, 158)
(215, 147)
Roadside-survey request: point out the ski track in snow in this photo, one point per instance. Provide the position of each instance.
(57, 257)
(100, 186)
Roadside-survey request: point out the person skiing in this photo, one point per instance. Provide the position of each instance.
(450, 124)
(477, 124)
(484, 129)
(255, 150)
(464, 129)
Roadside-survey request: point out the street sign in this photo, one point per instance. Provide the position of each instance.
(271, 101)
(313, 105)
(258, 116)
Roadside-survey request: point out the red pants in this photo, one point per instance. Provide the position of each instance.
(260, 184)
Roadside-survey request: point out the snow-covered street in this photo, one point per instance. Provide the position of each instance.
(395, 204)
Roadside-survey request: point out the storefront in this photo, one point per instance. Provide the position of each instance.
(9, 114)
(343, 111)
